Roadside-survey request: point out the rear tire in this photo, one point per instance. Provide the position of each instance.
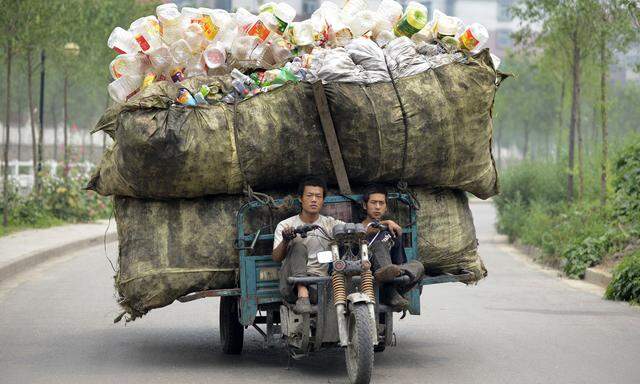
(231, 331)
(359, 352)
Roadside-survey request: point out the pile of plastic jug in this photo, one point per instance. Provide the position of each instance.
(264, 51)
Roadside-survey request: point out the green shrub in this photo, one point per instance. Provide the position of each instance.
(581, 255)
(60, 201)
(532, 181)
(626, 183)
(625, 284)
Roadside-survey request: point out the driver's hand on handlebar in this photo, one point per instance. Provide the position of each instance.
(288, 234)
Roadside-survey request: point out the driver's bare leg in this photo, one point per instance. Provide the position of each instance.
(295, 265)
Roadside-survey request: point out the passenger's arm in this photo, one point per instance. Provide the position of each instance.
(394, 228)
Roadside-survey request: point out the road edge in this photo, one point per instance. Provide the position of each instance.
(33, 259)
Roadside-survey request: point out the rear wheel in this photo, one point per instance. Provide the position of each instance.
(359, 351)
(231, 331)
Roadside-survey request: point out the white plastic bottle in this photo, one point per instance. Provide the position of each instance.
(444, 25)
(122, 41)
(180, 52)
(302, 32)
(194, 36)
(474, 37)
(215, 55)
(284, 14)
(351, 7)
(362, 22)
(129, 64)
(160, 58)
(391, 10)
(146, 31)
(124, 87)
(172, 23)
(339, 32)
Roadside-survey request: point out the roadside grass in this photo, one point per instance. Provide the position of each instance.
(573, 237)
(60, 202)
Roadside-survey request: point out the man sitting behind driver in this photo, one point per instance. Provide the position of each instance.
(297, 254)
(386, 250)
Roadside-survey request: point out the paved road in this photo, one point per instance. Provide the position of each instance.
(521, 325)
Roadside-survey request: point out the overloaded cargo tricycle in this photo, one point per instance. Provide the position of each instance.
(347, 312)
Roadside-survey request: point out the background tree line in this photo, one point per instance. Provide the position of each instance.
(573, 190)
(562, 104)
(55, 68)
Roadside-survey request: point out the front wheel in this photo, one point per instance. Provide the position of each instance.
(231, 330)
(359, 352)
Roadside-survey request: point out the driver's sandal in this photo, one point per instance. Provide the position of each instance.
(302, 306)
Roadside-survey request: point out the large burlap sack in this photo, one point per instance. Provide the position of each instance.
(170, 248)
(449, 128)
(433, 129)
(163, 150)
(447, 237)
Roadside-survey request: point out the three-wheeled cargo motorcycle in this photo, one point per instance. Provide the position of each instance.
(347, 313)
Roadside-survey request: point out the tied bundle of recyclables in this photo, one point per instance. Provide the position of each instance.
(210, 102)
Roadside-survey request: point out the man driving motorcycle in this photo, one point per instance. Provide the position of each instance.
(386, 251)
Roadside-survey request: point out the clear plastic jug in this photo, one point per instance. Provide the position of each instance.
(194, 36)
(351, 7)
(160, 58)
(124, 87)
(172, 22)
(390, 10)
(122, 41)
(362, 22)
(129, 64)
(302, 33)
(215, 55)
(146, 31)
(180, 51)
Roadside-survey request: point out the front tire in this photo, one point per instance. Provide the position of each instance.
(359, 351)
(231, 331)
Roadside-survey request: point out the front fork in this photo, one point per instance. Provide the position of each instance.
(339, 283)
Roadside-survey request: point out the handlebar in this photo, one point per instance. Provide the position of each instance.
(304, 229)
(378, 225)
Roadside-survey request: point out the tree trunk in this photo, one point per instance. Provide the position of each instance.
(525, 150)
(65, 130)
(580, 159)
(560, 112)
(34, 138)
(5, 183)
(41, 121)
(54, 121)
(594, 126)
(20, 131)
(604, 74)
(575, 112)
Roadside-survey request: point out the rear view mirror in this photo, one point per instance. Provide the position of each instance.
(325, 257)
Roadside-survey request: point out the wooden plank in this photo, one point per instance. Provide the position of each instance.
(332, 139)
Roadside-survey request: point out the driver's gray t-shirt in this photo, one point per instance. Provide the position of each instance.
(315, 241)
